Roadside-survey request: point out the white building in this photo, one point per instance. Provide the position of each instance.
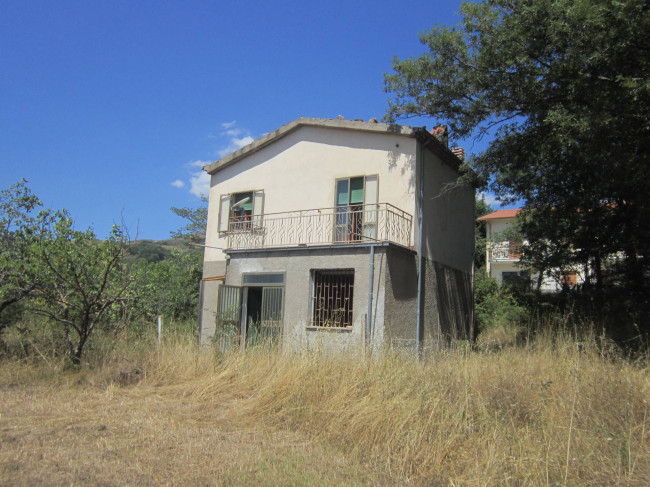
(502, 257)
(313, 238)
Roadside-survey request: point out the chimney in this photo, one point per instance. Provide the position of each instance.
(440, 132)
(459, 152)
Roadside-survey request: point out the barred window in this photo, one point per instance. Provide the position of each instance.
(333, 298)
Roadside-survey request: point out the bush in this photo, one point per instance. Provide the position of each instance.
(495, 307)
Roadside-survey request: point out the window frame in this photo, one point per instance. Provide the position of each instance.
(250, 222)
(322, 319)
(365, 216)
(240, 222)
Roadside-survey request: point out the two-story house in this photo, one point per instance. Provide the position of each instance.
(339, 234)
(502, 257)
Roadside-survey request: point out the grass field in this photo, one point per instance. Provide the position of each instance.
(548, 413)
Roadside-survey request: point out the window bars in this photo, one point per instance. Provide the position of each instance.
(333, 298)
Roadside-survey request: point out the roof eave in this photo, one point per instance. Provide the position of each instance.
(419, 133)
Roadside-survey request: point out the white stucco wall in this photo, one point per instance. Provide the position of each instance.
(299, 171)
(495, 227)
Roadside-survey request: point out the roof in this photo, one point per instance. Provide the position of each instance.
(440, 149)
(501, 214)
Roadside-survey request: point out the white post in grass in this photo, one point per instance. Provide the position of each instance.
(159, 328)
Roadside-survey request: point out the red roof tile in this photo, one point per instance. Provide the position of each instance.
(501, 214)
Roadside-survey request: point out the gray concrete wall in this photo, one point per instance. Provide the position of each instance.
(401, 299)
(297, 265)
(448, 225)
(448, 251)
(448, 304)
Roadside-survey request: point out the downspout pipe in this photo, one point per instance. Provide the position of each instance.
(419, 318)
(370, 286)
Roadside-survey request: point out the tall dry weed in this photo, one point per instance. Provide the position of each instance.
(551, 412)
(554, 412)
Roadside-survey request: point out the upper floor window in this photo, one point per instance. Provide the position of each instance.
(356, 208)
(241, 211)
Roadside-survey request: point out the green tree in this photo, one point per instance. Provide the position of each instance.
(168, 287)
(197, 220)
(79, 278)
(481, 208)
(18, 228)
(565, 87)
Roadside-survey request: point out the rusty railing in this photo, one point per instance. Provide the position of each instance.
(351, 224)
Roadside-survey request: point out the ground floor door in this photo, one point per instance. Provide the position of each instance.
(263, 315)
(249, 316)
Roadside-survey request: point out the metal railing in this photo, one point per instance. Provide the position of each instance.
(505, 250)
(351, 224)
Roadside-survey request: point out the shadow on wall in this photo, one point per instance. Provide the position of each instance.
(400, 302)
(407, 166)
(454, 296)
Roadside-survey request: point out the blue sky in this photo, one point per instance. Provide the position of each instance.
(109, 109)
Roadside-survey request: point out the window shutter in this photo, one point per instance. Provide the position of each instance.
(229, 304)
(224, 212)
(356, 191)
(271, 314)
(370, 201)
(257, 205)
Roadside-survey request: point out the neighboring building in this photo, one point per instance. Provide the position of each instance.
(313, 239)
(502, 257)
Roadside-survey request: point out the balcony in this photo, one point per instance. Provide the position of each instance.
(504, 251)
(354, 224)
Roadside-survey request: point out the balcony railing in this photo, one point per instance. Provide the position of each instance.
(505, 251)
(351, 224)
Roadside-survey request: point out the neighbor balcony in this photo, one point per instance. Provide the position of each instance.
(504, 251)
(354, 224)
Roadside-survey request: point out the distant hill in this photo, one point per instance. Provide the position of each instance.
(156, 250)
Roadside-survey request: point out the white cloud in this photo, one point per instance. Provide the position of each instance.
(243, 141)
(200, 184)
(231, 138)
(235, 142)
(199, 179)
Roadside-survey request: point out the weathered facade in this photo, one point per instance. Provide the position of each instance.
(313, 239)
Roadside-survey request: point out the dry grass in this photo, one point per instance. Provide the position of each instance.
(550, 413)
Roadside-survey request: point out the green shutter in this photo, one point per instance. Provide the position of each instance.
(356, 191)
